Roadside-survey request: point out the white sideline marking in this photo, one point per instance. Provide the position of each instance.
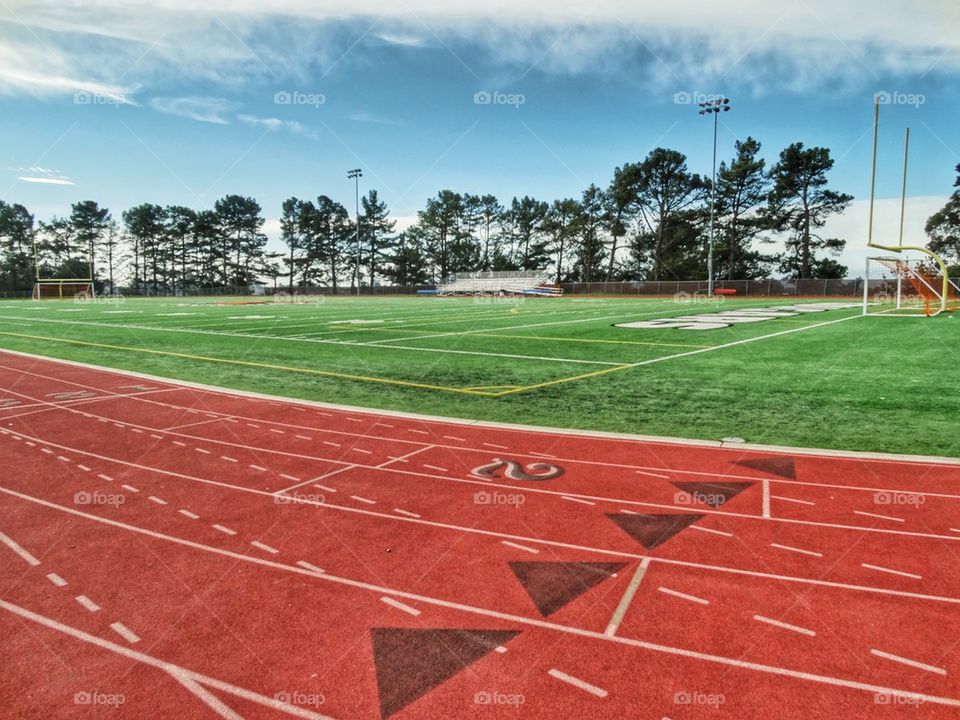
(627, 598)
(10, 543)
(406, 512)
(158, 501)
(56, 580)
(189, 514)
(577, 683)
(577, 500)
(785, 626)
(792, 500)
(368, 501)
(766, 498)
(683, 596)
(520, 547)
(399, 605)
(308, 566)
(796, 550)
(87, 603)
(892, 572)
(125, 632)
(911, 663)
(570, 630)
(266, 548)
(880, 517)
(223, 529)
(710, 530)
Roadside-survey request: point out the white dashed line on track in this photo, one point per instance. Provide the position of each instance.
(266, 548)
(907, 661)
(400, 606)
(785, 626)
(791, 500)
(533, 551)
(56, 580)
(443, 469)
(901, 573)
(87, 603)
(325, 488)
(683, 596)
(711, 530)
(158, 501)
(796, 550)
(879, 517)
(223, 529)
(22, 552)
(105, 477)
(130, 488)
(368, 501)
(187, 513)
(125, 632)
(307, 566)
(577, 683)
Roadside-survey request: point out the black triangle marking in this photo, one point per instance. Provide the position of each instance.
(782, 466)
(412, 662)
(652, 530)
(713, 494)
(551, 585)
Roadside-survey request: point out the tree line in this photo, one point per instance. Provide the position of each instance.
(650, 223)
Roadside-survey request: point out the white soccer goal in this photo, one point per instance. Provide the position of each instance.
(70, 289)
(906, 287)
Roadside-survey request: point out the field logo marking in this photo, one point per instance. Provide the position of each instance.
(727, 318)
(516, 471)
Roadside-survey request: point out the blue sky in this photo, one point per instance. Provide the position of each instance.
(164, 103)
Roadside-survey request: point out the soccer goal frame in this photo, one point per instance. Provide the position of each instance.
(896, 286)
(64, 289)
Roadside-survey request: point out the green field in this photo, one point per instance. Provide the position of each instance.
(837, 381)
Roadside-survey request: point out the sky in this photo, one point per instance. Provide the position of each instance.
(125, 102)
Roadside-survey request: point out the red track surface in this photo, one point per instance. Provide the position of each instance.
(277, 559)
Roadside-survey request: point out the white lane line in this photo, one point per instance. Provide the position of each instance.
(500, 649)
(683, 596)
(406, 512)
(711, 530)
(189, 514)
(258, 468)
(542, 455)
(125, 632)
(228, 459)
(137, 430)
(368, 501)
(266, 548)
(356, 420)
(303, 437)
(443, 469)
(291, 477)
(331, 444)
(520, 547)
(253, 425)
(796, 550)
(418, 432)
(56, 580)
(277, 431)
(404, 458)
(956, 530)
(868, 566)
(907, 661)
(87, 603)
(577, 683)
(399, 605)
(766, 498)
(879, 517)
(130, 488)
(653, 474)
(785, 626)
(792, 500)
(627, 598)
(223, 529)
(84, 468)
(48, 451)
(156, 437)
(826, 680)
(105, 477)
(308, 566)
(61, 458)
(180, 444)
(577, 500)
(10, 543)
(158, 501)
(361, 450)
(201, 450)
(325, 488)
(492, 445)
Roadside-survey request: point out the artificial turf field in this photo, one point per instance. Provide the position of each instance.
(828, 380)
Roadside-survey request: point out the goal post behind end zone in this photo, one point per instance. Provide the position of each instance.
(906, 287)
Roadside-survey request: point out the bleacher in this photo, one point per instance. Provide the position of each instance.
(514, 282)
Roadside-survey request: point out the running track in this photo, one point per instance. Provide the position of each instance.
(178, 551)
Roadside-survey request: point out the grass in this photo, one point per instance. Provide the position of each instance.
(861, 384)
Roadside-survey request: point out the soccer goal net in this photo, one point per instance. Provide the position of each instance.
(63, 290)
(897, 286)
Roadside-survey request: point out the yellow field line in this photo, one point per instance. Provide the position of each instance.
(559, 381)
(248, 363)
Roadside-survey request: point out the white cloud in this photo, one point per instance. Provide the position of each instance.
(271, 123)
(201, 109)
(366, 117)
(46, 180)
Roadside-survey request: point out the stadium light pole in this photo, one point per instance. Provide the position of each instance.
(713, 107)
(355, 175)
